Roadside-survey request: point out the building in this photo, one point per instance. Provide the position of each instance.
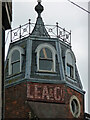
(88, 57)
(42, 79)
(5, 23)
(0, 58)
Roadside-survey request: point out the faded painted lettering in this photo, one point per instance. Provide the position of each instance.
(45, 92)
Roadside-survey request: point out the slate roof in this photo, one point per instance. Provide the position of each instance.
(39, 29)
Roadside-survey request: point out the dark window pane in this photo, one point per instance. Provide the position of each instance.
(49, 53)
(16, 67)
(41, 53)
(15, 56)
(69, 71)
(75, 106)
(72, 72)
(45, 53)
(45, 65)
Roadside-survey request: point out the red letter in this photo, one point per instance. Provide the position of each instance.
(56, 95)
(45, 93)
(37, 92)
(28, 91)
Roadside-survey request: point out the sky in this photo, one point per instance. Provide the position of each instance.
(69, 17)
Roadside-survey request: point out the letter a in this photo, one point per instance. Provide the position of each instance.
(45, 93)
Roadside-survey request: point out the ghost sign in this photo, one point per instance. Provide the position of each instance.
(45, 92)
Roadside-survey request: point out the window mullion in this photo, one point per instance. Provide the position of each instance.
(15, 61)
(46, 59)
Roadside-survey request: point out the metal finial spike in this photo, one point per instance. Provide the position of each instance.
(39, 1)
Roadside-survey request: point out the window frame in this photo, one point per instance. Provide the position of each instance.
(53, 51)
(21, 51)
(77, 106)
(71, 70)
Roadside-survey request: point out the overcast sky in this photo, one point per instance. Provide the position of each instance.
(68, 16)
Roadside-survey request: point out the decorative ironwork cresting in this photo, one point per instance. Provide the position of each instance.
(55, 31)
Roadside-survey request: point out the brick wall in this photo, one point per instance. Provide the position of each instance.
(70, 92)
(15, 105)
(17, 108)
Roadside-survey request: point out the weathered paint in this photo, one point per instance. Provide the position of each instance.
(45, 92)
(16, 101)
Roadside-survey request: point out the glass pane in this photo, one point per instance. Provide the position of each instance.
(73, 106)
(49, 53)
(41, 53)
(15, 56)
(71, 71)
(45, 65)
(69, 59)
(45, 53)
(16, 67)
(68, 70)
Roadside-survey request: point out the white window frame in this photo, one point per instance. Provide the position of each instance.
(21, 51)
(52, 49)
(73, 62)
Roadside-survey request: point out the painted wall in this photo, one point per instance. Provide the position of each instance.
(17, 107)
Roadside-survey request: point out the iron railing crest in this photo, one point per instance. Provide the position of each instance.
(55, 31)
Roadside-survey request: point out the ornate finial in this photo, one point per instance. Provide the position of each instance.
(39, 8)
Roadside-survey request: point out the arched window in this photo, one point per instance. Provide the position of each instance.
(70, 64)
(46, 58)
(15, 60)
